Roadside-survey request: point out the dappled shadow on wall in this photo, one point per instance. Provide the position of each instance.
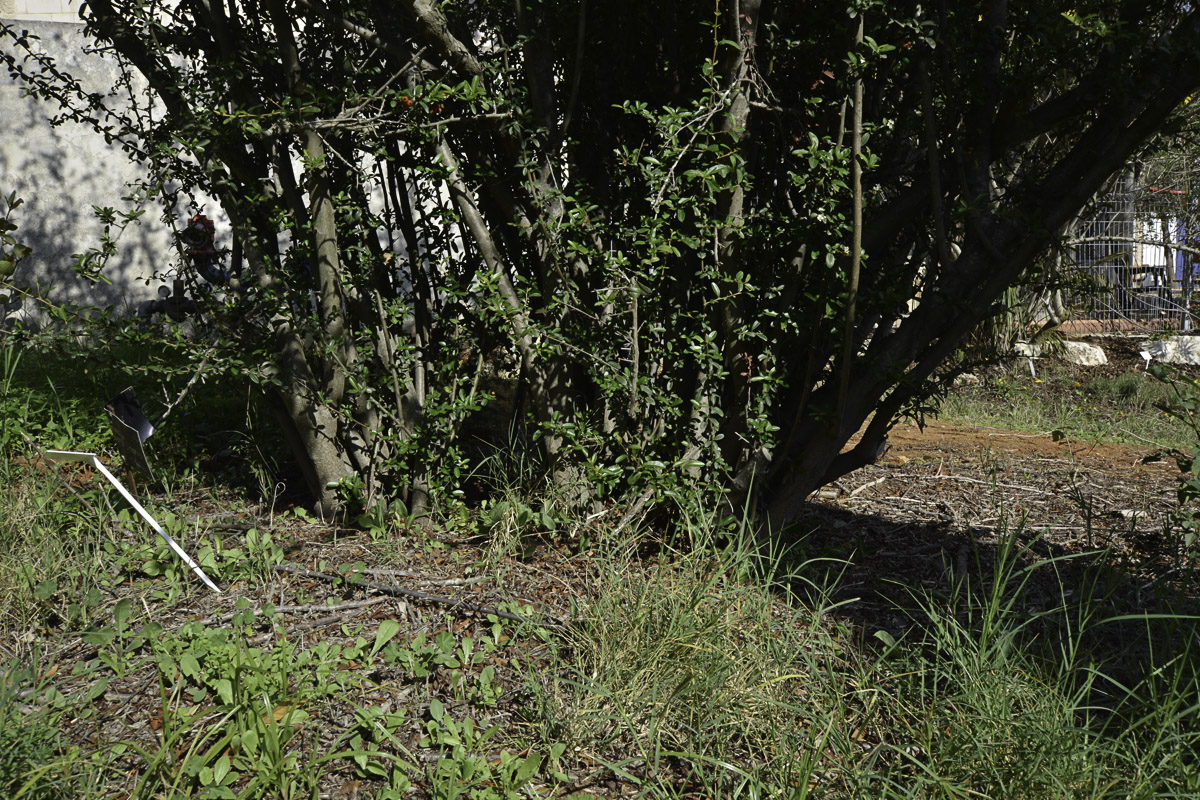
(61, 172)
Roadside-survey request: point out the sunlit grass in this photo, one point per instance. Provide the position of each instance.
(1122, 409)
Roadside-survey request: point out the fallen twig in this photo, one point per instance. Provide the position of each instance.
(965, 479)
(868, 485)
(396, 573)
(221, 619)
(398, 591)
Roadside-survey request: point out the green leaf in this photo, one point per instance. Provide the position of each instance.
(221, 769)
(527, 768)
(122, 612)
(387, 631)
(189, 665)
(96, 690)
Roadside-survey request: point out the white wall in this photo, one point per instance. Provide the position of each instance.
(43, 10)
(61, 172)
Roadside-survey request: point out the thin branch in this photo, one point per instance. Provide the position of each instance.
(183, 394)
(224, 619)
(425, 597)
(368, 35)
(942, 248)
(700, 121)
(856, 236)
(1028, 489)
(377, 125)
(573, 97)
(866, 485)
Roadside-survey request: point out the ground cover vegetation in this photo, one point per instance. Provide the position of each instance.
(713, 240)
(512, 651)
(637, 228)
(1120, 401)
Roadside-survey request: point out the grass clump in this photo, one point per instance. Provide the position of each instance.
(30, 764)
(997, 697)
(1132, 391)
(35, 763)
(690, 670)
(51, 547)
(698, 672)
(976, 710)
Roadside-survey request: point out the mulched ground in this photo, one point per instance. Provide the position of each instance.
(937, 506)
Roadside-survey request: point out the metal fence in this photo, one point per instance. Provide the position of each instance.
(1137, 250)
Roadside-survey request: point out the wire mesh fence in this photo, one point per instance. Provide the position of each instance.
(1137, 251)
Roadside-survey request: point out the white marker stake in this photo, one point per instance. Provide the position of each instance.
(90, 458)
(1146, 355)
(1032, 371)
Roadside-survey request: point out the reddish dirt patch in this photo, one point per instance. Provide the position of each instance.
(938, 506)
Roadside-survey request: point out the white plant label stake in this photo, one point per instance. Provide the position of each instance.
(90, 458)
(1145, 355)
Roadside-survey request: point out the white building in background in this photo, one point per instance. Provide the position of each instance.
(40, 10)
(62, 172)
(1150, 252)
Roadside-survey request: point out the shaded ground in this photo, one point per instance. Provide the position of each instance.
(940, 500)
(933, 513)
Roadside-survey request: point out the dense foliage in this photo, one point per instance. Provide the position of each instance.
(649, 207)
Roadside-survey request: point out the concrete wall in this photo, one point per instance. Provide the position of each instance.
(61, 172)
(43, 10)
